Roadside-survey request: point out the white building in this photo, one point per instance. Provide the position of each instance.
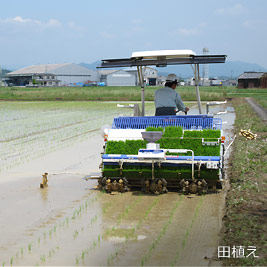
(53, 75)
(117, 78)
(150, 75)
(161, 80)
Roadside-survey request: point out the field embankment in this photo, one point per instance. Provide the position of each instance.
(123, 93)
(245, 212)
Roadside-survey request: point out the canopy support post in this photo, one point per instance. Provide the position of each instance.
(141, 80)
(197, 79)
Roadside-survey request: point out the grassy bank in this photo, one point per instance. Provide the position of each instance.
(262, 100)
(120, 93)
(245, 214)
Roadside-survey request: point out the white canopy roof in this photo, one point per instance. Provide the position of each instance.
(163, 53)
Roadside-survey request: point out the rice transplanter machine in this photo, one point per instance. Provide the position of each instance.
(161, 153)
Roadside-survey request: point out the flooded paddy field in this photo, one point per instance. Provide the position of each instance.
(71, 223)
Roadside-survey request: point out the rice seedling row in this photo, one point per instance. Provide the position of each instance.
(97, 241)
(36, 133)
(187, 232)
(164, 228)
(134, 229)
(57, 230)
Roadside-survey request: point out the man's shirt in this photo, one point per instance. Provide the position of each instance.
(168, 97)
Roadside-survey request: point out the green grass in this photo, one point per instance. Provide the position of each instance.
(119, 93)
(262, 100)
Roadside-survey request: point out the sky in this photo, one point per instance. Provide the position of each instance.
(59, 31)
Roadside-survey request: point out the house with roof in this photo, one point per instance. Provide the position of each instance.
(252, 79)
(117, 78)
(53, 75)
(150, 75)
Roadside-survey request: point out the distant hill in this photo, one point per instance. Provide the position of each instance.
(91, 66)
(230, 69)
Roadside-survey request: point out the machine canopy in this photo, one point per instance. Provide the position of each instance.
(161, 58)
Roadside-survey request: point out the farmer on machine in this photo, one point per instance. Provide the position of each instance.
(167, 100)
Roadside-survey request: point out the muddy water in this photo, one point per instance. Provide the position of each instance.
(70, 223)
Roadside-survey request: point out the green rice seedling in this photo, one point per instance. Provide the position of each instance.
(73, 215)
(21, 251)
(55, 228)
(107, 233)
(152, 129)
(83, 255)
(75, 234)
(3, 263)
(173, 131)
(42, 258)
(11, 261)
(94, 244)
(188, 229)
(98, 238)
(29, 247)
(17, 255)
(39, 240)
(183, 243)
(50, 232)
(162, 232)
(57, 247)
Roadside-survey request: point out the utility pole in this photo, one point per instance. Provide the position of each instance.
(205, 69)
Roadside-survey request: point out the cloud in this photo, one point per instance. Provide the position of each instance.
(255, 23)
(18, 20)
(75, 27)
(108, 35)
(190, 31)
(137, 21)
(234, 10)
(138, 29)
(187, 32)
(53, 23)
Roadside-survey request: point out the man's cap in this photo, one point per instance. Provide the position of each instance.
(172, 78)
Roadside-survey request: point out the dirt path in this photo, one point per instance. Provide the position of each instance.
(70, 223)
(260, 111)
